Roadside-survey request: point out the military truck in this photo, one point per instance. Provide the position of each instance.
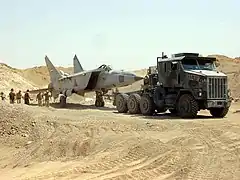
(183, 84)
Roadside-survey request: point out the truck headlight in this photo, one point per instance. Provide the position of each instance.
(200, 93)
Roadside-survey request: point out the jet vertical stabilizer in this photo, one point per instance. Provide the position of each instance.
(53, 72)
(77, 67)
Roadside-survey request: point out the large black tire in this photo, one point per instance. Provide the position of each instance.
(219, 112)
(147, 105)
(133, 104)
(63, 101)
(121, 103)
(187, 106)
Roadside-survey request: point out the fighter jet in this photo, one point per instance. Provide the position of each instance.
(100, 80)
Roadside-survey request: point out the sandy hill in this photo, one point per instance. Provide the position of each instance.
(13, 78)
(38, 76)
(231, 67)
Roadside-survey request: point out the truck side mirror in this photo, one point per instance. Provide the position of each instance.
(174, 66)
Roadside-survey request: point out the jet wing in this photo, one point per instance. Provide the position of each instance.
(36, 91)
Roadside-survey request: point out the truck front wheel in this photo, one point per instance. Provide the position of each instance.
(187, 106)
(147, 105)
(219, 112)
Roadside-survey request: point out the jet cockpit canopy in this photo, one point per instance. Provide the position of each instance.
(105, 67)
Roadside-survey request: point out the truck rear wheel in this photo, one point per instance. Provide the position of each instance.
(187, 106)
(147, 105)
(219, 112)
(121, 103)
(133, 103)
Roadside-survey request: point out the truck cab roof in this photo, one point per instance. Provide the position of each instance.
(180, 56)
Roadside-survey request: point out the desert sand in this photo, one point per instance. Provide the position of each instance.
(84, 142)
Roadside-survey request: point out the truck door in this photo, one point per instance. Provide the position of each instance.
(174, 79)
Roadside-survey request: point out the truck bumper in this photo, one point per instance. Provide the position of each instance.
(218, 103)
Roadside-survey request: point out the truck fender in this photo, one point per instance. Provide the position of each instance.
(181, 92)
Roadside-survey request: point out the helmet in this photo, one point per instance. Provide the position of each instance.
(12, 89)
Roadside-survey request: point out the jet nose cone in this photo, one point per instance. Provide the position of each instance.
(138, 78)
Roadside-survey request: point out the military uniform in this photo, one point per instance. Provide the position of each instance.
(2, 96)
(115, 95)
(47, 97)
(39, 99)
(19, 97)
(27, 98)
(12, 96)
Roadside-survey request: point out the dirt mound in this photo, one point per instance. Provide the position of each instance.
(35, 136)
(40, 76)
(12, 78)
(14, 121)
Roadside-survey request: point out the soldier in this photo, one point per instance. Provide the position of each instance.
(12, 96)
(19, 97)
(46, 98)
(39, 98)
(115, 95)
(27, 98)
(99, 99)
(2, 95)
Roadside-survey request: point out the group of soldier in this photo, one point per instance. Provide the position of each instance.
(42, 98)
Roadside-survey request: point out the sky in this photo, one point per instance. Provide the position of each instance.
(126, 34)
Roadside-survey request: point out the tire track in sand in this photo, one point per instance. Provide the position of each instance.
(135, 155)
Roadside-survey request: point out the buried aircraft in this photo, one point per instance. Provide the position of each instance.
(100, 80)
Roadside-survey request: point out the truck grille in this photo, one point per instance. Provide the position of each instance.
(217, 87)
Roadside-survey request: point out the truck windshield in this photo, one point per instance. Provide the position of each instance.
(198, 64)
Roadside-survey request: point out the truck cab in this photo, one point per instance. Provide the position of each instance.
(189, 73)
(184, 84)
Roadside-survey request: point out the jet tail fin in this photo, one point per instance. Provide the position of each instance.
(53, 72)
(77, 67)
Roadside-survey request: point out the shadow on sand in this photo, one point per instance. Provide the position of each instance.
(80, 106)
(165, 116)
(159, 116)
